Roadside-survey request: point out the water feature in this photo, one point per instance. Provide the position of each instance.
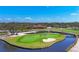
(57, 47)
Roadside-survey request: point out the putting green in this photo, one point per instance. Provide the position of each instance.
(35, 40)
(37, 37)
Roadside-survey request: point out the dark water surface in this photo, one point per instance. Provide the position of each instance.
(57, 47)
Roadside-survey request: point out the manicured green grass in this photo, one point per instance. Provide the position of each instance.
(37, 37)
(34, 41)
(3, 33)
(73, 31)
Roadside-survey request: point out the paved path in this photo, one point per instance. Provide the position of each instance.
(75, 48)
(3, 37)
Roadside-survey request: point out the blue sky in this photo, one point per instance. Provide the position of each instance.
(39, 14)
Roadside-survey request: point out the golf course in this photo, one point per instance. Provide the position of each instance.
(35, 40)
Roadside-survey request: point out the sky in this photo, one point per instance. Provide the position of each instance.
(39, 14)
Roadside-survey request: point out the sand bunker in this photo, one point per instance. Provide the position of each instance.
(49, 40)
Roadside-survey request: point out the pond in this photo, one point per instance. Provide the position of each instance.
(57, 47)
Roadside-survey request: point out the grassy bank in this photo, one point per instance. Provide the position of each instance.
(68, 49)
(3, 33)
(73, 31)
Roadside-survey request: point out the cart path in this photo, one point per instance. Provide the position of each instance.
(75, 48)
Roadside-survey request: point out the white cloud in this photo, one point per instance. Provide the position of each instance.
(28, 18)
(8, 19)
(0, 18)
(74, 14)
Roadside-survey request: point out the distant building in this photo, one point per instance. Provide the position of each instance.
(49, 29)
(39, 26)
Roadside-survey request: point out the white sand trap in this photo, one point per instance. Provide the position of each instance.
(49, 40)
(20, 34)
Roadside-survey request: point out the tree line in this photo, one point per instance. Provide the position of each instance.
(14, 26)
